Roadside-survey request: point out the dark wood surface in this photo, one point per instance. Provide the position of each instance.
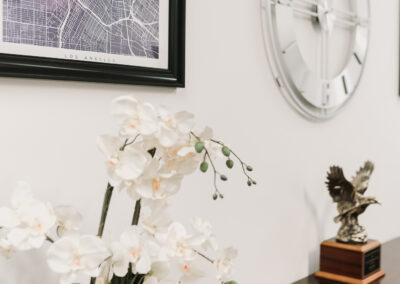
(390, 264)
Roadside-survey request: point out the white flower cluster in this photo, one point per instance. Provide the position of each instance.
(132, 168)
(155, 247)
(154, 150)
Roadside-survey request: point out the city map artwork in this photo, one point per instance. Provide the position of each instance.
(127, 27)
(112, 32)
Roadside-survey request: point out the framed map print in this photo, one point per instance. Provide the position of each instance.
(115, 41)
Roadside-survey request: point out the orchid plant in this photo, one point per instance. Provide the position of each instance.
(148, 159)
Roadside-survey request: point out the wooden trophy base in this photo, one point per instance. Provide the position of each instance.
(350, 263)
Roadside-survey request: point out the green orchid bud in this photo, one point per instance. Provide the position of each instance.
(199, 147)
(229, 163)
(225, 150)
(204, 166)
(249, 168)
(215, 196)
(249, 183)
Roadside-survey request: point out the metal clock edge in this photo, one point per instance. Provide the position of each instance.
(278, 78)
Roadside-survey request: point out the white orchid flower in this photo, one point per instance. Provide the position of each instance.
(223, 263)
(28, 220)
(153, 184)
(135, 117)
(180, 244)
(174, 126)
(204, 234)
(69, 220)
(153, 217)
(124, 165)
(141, 253)
(119, 259)
(181, 159)
(74, 254)
(190, 271)
(6, 248)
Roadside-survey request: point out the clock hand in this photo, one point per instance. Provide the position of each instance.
(341, 17)
(323, 58)
(347, 17)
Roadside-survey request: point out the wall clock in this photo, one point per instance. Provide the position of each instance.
(317, 51)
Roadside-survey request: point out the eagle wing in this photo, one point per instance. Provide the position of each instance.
(357, 210)
(361, 180)
(339, 187)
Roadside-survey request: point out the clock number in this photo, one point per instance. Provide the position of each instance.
(357, 58)
(344, 84)
(291, 44)
(325, 93)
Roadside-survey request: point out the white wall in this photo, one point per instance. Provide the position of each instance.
(49, 129)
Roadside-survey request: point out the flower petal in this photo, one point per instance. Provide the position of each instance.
(143, 265)
(132, 163)
(108, 145)
(8, 218)
(123, 107)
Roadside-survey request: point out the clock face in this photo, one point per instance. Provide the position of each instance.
(317, 51)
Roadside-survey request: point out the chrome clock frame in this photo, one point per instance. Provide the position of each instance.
(309, 93)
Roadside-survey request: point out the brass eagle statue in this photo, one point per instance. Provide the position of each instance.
(351, 202)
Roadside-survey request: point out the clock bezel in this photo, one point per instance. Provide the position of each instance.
(283, 78)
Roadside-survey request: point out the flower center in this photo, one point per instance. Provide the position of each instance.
(156, 184)
(135, 252)
(77, 261)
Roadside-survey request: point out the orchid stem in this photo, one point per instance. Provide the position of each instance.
(49, 239)
(136, 215)
(204, 256)
(104, 212)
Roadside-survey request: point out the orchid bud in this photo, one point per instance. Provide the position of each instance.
(215, 196)
(229, 163)
(224, 177)
(225, 150)
(199, 147)
(249, 183)
(204, 166)
(249, 168)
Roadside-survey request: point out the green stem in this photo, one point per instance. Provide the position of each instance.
(136, 215)
(104, 212)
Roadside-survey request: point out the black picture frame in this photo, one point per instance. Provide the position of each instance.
(61, 69)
